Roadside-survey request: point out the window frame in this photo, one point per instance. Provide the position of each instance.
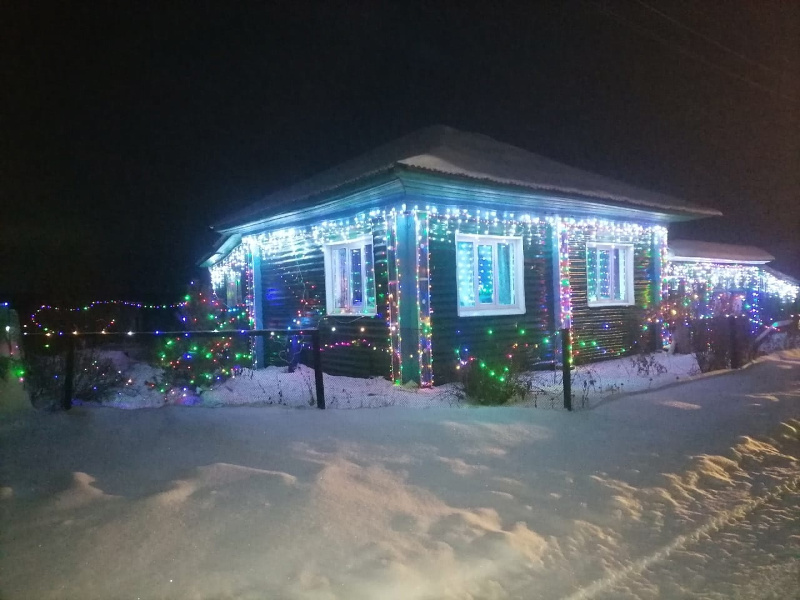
(359, 243)
(518, 308)
(630, 298)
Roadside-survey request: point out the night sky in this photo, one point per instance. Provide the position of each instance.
(127, 131)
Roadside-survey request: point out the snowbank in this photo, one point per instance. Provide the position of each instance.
(274, 385)
(690, 491)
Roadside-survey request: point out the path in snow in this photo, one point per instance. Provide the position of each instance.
(622, 501)
(754, 553)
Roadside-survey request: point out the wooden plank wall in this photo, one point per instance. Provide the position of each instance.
(607, 332)
(527, 337)
(293, 279)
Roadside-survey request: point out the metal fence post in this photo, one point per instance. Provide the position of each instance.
(317, 352)
(566, 364)
(69, 374)
(734, 347)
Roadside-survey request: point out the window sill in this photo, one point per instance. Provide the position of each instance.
(490, 312)
(594, 304)
(351, 314)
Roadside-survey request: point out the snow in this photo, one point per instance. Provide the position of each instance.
(689, 491)
(695, 250)
(274, 385)
(448, 151)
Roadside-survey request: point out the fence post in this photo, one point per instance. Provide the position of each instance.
(566, 363)
(317, 352)
(734, 349)
(69, 374)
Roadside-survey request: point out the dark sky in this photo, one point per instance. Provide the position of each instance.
(127, 130)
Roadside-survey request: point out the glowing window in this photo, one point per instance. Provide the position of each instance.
(350, 277)
(609, 274)
(489, 275)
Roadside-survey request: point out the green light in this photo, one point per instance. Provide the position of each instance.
(491, 332)
(187, 297)
(522, 332)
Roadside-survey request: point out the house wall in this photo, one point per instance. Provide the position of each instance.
(528, 337)
(701, 290)
(293, 295)
(607, 332)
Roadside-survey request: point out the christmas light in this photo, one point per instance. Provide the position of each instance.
(633, 270)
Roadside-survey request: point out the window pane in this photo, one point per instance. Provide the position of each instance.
(465, 266)
(604, 276)
(591, 272)
(369, 270)
(231, 285)
(620, 279)
(485, 274)
(356, 283)
(505, 274)
(340, 279)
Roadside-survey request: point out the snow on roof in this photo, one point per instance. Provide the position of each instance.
(448, 151)
(694, 250)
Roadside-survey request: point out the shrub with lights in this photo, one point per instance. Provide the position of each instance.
(95, 377)
(193, 363)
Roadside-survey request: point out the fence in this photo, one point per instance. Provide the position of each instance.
(58, 370)
(722, 343)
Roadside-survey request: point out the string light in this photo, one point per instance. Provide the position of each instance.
(45, 308)
(597, 331)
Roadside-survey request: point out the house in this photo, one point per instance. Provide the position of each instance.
(445, 249)
(706, 280)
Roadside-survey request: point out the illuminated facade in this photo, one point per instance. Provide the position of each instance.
(705, 280)
(446, 250)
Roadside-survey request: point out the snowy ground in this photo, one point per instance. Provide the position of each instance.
(690, 491)
(274, 385)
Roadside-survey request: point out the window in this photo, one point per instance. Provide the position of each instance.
(489, 275)
(233, 288)
(350, 277)
(609, 274)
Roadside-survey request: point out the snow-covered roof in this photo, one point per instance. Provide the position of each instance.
(447, 151)
(697, 251)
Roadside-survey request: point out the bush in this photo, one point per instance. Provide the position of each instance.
(711, 342)
(95, 378)
(490, 386)
(647, 364)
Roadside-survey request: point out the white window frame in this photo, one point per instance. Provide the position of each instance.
(518, 308)
(629, 299)
(353, 244)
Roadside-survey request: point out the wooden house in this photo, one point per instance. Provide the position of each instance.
(446, 248)
(704, 280)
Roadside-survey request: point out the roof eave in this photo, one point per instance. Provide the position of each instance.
(225, 244)
(368, 191)
(709, 259)
(425, 182)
